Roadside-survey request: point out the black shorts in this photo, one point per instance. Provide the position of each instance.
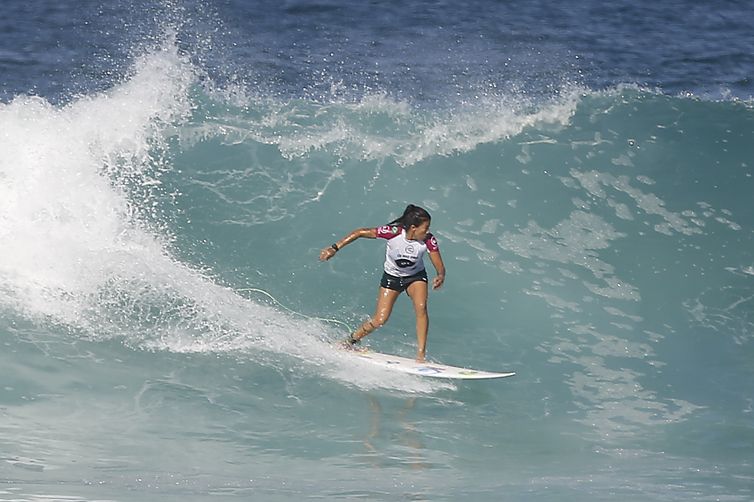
(401, 283)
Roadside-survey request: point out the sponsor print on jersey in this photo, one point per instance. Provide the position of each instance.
(407, 256)
(388, 231)
(432, 243)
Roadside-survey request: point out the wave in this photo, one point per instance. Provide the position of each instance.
(99, 197)
(89, 249)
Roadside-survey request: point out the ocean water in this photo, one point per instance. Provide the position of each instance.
(170, 170)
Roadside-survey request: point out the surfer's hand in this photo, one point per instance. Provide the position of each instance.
(327, 253)
(437, 281)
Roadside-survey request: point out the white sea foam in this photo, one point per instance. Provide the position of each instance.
(67, 220)
(84, 249)
(575, 241)
(377, 127)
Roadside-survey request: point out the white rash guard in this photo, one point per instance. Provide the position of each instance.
(404, 257)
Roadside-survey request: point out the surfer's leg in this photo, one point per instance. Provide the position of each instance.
(385, 301)
(417, 290)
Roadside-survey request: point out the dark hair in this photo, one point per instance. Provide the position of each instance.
(412, 215)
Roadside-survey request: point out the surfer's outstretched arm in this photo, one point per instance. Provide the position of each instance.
(329, 252)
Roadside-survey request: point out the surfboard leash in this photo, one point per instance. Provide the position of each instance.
(322, 319)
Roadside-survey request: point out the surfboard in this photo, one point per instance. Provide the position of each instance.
(426, 369)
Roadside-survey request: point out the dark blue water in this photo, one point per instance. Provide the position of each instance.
(436, 51)
(164, 167)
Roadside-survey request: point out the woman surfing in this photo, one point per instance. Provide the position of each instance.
(408, 240)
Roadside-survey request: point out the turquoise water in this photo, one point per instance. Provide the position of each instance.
(598, 243)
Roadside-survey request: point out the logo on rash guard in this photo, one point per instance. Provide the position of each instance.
(407, 257)
(388, 229)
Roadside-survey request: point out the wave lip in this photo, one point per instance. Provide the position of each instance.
(67, 175)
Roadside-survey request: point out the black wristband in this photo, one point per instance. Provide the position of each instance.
(335, 247)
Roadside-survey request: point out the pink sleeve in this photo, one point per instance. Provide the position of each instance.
(388, 231)
(431, 243)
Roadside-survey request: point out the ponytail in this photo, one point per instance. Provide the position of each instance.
(412, 216)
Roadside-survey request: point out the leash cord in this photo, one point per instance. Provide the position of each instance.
(268, 295)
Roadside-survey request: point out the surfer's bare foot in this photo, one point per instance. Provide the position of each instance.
(350, 343)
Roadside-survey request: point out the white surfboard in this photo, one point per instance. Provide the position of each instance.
(427, 369)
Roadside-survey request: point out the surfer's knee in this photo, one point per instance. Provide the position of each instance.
(420, 308)
(379, 320)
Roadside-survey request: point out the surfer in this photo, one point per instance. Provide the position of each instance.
(408, 240)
